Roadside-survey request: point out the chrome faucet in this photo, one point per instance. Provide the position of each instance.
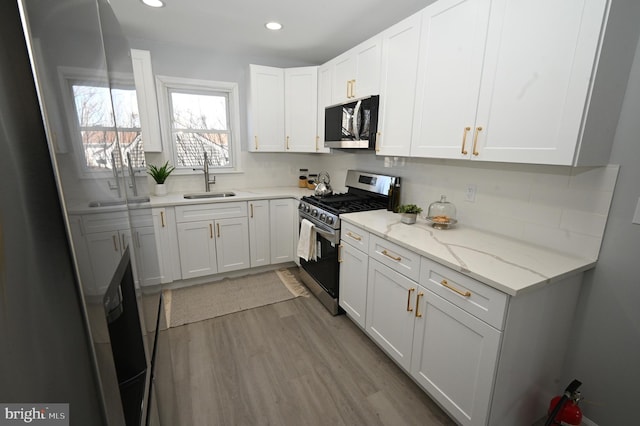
(114, 170)
(132, 175)
(207, 180)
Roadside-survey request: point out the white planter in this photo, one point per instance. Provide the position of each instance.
(161, 189)
(409, 218)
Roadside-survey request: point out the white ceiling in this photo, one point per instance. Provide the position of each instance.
(314, 31)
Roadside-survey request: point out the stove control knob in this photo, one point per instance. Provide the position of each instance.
(300, 206)
(307, 209)
(323, 217)
(314, 212)
(330, 220)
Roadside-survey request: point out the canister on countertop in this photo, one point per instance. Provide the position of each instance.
(312, 180)
(302, 180)
(442, 214)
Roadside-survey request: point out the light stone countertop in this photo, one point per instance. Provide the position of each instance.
(508, 265)
(177, 199)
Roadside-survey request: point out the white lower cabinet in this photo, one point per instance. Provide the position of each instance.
(232, 244)
(220, 243)
(164, 224)
(105, 250)
(259, 233)
(485, 357)
(454, 357)
(390, 311)
(197, 248)
(284, 230)
(148, 264)
(354, 265)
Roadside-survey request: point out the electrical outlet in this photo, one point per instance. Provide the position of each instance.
(470, 193)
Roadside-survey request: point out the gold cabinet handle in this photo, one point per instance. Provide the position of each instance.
(115, 242)
(251, 205)
(255, 138)
(210, 231)
(378, 134)
(452, 288)
(418, 314)
(475, 140)
(409, 308)
(218, 228)
(162, 218)
(317, 139)
(353, 88)
(287, 142)
(386, 253)
(339, 253)
(464, 140)
(354, 236)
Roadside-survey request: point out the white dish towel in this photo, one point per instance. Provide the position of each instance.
(307, 241)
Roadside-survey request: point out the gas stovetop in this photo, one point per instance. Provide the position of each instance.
(366, 192)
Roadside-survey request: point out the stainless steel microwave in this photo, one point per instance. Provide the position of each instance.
(352, 125)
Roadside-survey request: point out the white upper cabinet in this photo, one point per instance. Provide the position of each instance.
(147, 101)
(356, 73)
(266, 109)
(300, 105)
(397, 87)
(325, 98)
(283, 110)
(494, 86)
(451, 50)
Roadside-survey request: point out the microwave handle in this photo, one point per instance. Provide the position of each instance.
(356, 120)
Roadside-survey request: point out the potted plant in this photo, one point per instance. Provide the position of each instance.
(160, 174)
(409, 213)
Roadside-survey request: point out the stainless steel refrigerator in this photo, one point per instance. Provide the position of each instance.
(63, 336)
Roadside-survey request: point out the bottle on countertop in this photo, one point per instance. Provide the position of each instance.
(394, 195)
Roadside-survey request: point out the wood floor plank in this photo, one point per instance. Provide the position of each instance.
(291, 363)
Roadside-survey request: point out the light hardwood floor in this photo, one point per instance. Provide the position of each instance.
(291, 363)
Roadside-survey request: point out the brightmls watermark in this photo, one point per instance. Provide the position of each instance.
(34, 414)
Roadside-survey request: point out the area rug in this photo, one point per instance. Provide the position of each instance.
(205, 301)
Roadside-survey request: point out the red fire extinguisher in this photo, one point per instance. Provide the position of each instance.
(564, 410)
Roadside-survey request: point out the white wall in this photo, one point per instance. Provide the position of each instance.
(605, 348)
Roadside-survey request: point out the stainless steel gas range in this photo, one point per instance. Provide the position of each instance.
(366, 191)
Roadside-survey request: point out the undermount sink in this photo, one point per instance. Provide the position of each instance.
(110, 203)
(209, 195)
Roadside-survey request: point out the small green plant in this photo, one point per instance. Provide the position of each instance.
(409, 208)
(160, 174)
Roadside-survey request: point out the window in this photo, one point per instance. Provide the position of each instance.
(200, 116)
(102, 116)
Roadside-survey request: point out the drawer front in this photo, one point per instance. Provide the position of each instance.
(355, 236)
(476, 298)
(105, 222)
(395, 257)
(198, 212)
(140, 218)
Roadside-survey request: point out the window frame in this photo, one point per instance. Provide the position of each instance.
(166, 84)
(68, 76)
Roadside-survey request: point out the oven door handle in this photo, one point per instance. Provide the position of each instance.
(332, 237)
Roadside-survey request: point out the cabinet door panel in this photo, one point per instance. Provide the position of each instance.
(233, 244)
(105, 250)
(266, 109)
(535, 83)
(454, 358)
(301, 101)
(451, 49)
(284, 218)
(147, 256)
(398, 86)
(197, 246)
(354, 267)
(259, 233)
(388, 321)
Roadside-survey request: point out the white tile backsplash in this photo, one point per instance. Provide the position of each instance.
(562, 208)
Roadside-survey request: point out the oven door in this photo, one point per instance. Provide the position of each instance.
(325, 269)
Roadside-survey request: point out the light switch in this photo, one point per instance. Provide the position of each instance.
(636, 216)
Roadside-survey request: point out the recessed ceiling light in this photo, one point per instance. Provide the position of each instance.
(153, 3)
(275, 26)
